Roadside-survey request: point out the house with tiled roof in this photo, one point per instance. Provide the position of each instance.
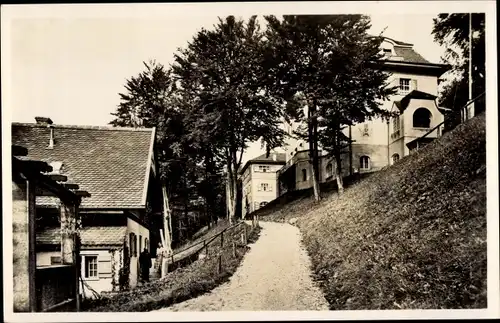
(122, 216)
(377, 142)
(259, 181)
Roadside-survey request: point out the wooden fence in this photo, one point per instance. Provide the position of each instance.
(192, 253)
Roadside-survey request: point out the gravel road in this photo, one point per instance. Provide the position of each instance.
(273, 276)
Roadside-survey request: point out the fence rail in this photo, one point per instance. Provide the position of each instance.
(185, 256)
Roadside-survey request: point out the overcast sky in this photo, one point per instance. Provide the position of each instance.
(72, 69)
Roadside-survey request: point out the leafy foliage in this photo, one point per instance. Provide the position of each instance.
(151, 100)
(322, 64)
(220, 80)
(452, 31)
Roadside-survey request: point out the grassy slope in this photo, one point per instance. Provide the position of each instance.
(182, 284)
(410, 236)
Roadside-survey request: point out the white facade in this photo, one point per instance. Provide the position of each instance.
(373, 146)
(259, 185)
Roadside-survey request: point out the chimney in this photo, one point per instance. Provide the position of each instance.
(43, 121)
(51, 139)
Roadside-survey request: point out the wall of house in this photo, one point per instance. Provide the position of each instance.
(20, 247)
(397, 147)
(409, 130)
(43, 258)
(257, 178)
(376, 153)
(108, 266)
(138, 230)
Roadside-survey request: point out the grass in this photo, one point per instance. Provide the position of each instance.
(412, 236)
(182, 284)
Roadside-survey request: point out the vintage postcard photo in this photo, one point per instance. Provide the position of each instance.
(250, 161)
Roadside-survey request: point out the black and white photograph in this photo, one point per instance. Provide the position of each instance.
(250, 161)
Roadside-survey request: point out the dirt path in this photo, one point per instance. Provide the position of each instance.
(274, 275)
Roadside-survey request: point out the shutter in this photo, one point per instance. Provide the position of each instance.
(413, 85)
(104, 265)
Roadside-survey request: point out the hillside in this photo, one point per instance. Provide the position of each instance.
(410, 236)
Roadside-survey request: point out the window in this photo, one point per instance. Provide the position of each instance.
(263, 168)
(90, 266)
(146, 244)
(387, 51)
(395, 123)
(55, 260)
(140, 243)
(133, 245)
(262, 204)
(304, 175)
(364, 162)
(329, 170)
(422, 118)
(404, 86)
(264, 187)
(395, 158)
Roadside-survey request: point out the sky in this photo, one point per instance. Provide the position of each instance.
(72, 69)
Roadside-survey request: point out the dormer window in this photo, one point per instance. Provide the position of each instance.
(387, 51)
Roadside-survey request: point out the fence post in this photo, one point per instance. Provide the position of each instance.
(222, 238)
(206, 247)
(234, 249)
(219, 267)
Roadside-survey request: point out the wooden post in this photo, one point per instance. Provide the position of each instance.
(68, 228)
(222, 239)
(243, 239)
(32, 244)
(219, 267)
(234, 249)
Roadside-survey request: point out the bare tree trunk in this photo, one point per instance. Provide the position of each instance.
(230, 194)
(313, 151)
(338, 174)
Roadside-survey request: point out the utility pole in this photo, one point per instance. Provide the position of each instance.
(470, 107)
(350, 151)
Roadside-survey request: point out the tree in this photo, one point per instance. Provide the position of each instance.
(221, 74)
(150, 101)
(325, 65)
(452, 31)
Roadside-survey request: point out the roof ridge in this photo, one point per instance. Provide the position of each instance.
(84, 127)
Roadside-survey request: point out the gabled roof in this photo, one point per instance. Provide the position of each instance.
(112, 164)
(90, 236)
(263, 159)
(415, 94)
(409, 55)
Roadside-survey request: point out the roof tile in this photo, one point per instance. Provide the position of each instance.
(90, 236)
(109, 163)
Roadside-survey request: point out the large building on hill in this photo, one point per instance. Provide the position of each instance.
(378, 142)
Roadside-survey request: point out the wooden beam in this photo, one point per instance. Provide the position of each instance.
(70, 186)
(19, 151)
(82, 193)
(57, 177)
